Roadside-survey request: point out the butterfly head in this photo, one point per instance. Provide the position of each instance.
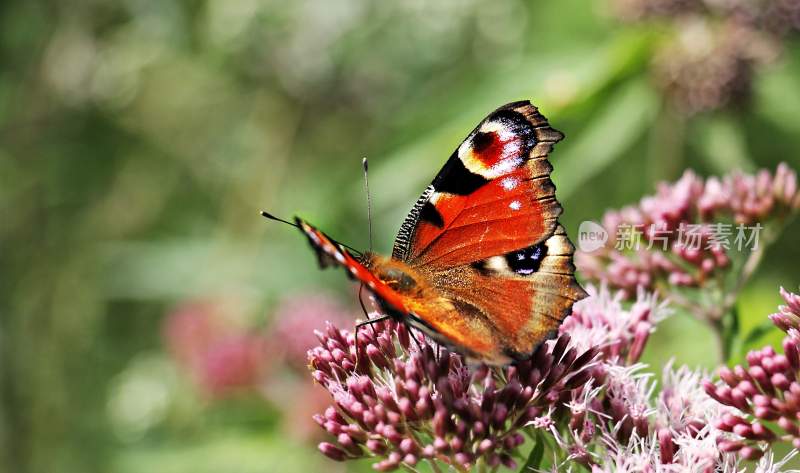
(389, 271)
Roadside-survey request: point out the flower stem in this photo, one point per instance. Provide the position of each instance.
(723, 347)
(434, 466)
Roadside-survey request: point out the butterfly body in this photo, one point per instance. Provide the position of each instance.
(480, 263)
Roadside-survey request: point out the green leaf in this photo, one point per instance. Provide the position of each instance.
(778, 97)
(626, 116)
(755, 335)
(730, 333)
(536, 455)
(722, 144)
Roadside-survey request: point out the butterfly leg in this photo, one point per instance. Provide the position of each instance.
(417, 342)
(363, 307)
(362, 324)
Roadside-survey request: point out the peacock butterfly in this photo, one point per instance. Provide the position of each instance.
(480, 262)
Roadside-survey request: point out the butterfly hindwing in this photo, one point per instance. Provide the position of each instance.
(510, 302)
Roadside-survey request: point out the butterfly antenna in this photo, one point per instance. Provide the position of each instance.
(278, 219)
(269, 216)
(369, 199)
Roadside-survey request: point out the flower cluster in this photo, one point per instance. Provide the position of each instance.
(614, 407)
(406, 400)
(690, 206)
(708, 66)
(615, 424)
(403, 402)
(717, 46)
(290, 334)
(685, 430)
(696, 455)
(619, 333)
(765, 390)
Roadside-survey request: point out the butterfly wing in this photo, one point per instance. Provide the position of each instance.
(494, 195)
(485, 234)
(331, 253)
(451, 327)
(511, 302)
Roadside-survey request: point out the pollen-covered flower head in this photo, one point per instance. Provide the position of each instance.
(683, 404)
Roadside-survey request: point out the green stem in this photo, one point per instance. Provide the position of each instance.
(749, 267)
(434, 466)
(723, 347)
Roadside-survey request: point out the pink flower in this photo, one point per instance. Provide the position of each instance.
(401, 389)
(407, 400)
(233, 362)
(686, 233)
(294, 321)
(220, 357)
(620, 333)
(763, 391)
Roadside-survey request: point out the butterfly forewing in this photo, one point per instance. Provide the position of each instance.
(494, 195)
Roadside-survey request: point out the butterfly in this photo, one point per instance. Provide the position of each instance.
(481, 263)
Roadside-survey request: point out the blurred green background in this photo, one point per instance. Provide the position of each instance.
(140, 138)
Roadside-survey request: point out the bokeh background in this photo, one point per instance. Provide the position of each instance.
(151, 321)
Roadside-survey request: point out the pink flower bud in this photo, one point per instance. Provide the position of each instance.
(332, 452)
(666, 446)
(750, 453)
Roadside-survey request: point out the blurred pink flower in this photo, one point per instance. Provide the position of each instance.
(294, 321)
(219, 356)
(190, 329)
(237, 361)
(713, 50)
